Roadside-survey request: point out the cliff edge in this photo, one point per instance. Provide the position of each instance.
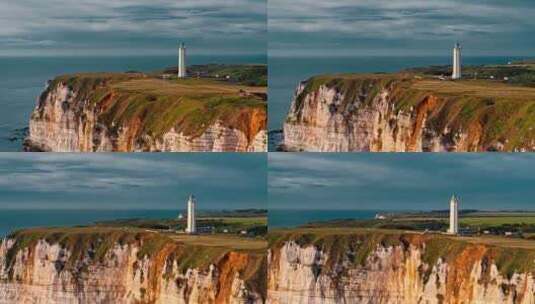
(135, 112)
(409, 113)
(337, 265)
(113, 265)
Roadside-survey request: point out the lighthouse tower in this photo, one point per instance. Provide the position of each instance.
(191, 228)
(456, 62)
(454, 215)
(181, 61)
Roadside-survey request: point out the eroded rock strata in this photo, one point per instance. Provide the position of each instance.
(380, 268)
(405, 113)
(118, 267)
(133, 112)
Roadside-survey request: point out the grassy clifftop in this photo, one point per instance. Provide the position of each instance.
(251, 75)
(95, 242)
(244, 74)
(154, 106)
(515, 73)
(253, 225)
(493, 110)
(356, 244)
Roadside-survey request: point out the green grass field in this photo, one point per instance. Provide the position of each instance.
(246, 74)
(478, 88)
(497, 223)
(229, 225)
(482, 221)
(499, 241)
(519, 73)
(257, 220)
(220, 240)
(499, 220)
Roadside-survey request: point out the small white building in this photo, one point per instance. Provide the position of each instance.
(182, 61)
(456, 62)
(191, 225)
(454, 215)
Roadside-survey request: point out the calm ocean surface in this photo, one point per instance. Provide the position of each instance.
(286, 73)
(288, 218)
(23, 79)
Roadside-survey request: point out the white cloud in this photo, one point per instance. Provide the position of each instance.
(385, 17)
(356, 23)
(400, 181)
(298, 171)
(63, 172)
(32, 22)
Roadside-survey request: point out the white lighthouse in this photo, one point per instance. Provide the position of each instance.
(181, 61)
(456, 62)
(192, 227)
(454, 215)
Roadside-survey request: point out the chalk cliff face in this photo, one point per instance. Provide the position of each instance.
(395, 274)
(396, 114)
(103, 118)
(51, 273)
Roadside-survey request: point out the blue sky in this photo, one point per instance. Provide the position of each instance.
(401, 181)
(131, 27)
(400, 27)
(131, 181)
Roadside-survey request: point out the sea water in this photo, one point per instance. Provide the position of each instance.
(290, 218)
(24, 78)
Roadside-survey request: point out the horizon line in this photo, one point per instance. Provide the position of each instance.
(124, 209)
(400, 210)
(279, 55)
(201, 54)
